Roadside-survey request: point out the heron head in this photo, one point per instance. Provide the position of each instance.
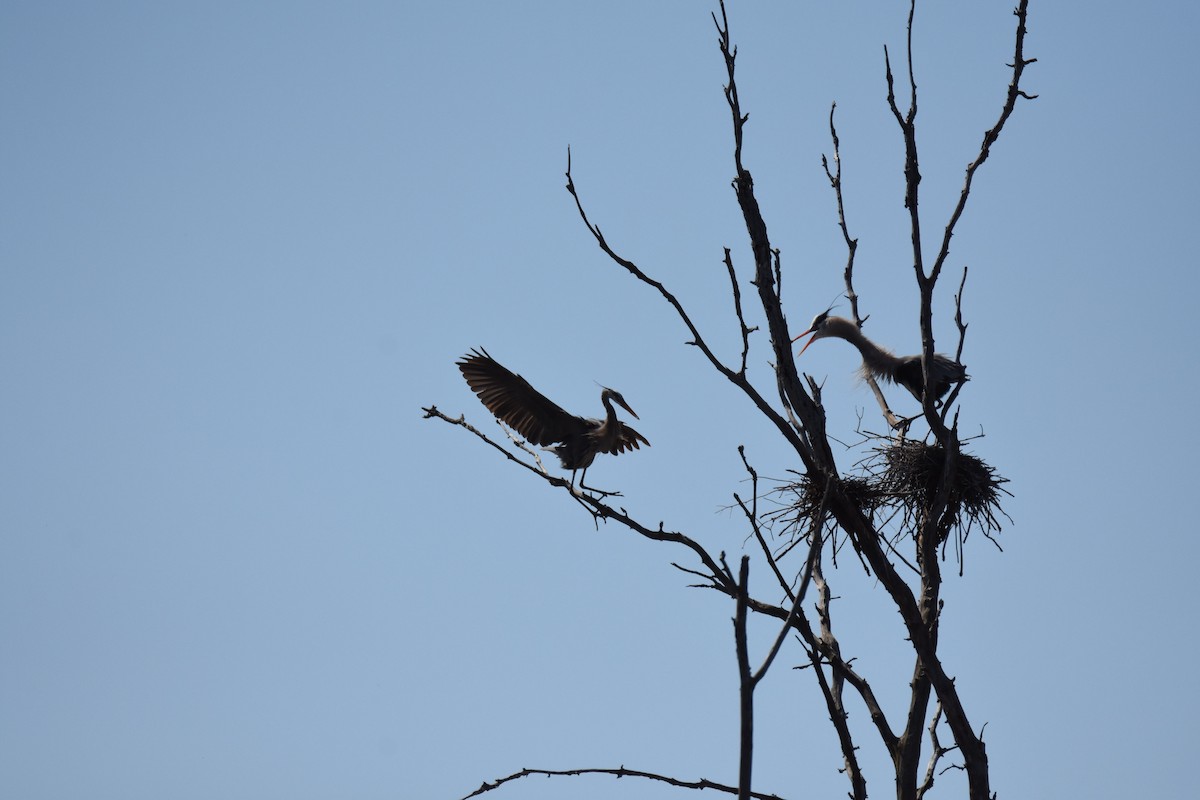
(619, 400)
(817, 329)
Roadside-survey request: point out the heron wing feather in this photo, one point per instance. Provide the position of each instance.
(627, 439)
(516, 403)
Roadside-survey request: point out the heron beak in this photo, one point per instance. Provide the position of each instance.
(801, 336)
(625, 406)
(806, 344)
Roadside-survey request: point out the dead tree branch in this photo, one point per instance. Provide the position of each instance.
(602, 510)
(1018, 65)
(835, 182)
(794, 434)
(936, 752)
(619, 772)
(746, 684)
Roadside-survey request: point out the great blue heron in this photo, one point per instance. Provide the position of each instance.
(530, 413)
(902, 370)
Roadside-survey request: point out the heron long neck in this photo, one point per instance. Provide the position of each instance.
(609, 430)
(878, 360)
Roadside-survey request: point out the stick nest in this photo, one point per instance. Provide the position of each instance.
(899, 483)
(912, 471)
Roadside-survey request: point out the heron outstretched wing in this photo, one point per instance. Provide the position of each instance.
(628, 439)
(517, 404)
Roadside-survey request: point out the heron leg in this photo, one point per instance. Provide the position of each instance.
(600, 492)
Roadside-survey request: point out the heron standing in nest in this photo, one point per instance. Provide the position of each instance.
(577, 440)
(901, 370)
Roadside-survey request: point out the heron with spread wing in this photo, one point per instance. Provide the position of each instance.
(902, 370)
(577, 440)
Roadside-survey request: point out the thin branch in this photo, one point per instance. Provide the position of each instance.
(636, 271)
(521, 445)
(602, 510)
(619, 772)
(751, 515)
(737, 308)
(703, 575)
(837, 716)
(835, 181)
(827, 646)
(746, 684)
(912, 75)
(772, 561)
(962, 339)
(731, 92)
(926, 283)
(989, 138)
(739, 379)
(936, 752)
(461, 421)
(908, 127)
(810, 564)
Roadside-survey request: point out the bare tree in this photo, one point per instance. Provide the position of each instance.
(924, 493)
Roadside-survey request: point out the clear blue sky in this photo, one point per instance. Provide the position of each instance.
(244, 243)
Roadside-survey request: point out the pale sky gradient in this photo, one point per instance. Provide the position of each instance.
(244, 243)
